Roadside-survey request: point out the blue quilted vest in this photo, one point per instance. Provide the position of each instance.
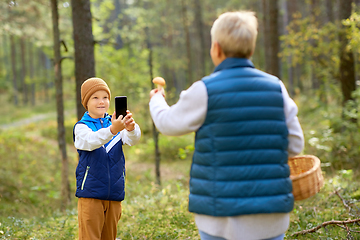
(240, 160)
(100, 173)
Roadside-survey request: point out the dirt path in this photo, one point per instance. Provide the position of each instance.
(29, 120)
(36, 118)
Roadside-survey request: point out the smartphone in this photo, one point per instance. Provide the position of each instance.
(120, 105)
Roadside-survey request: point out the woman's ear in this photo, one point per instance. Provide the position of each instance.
(217, 54)
(217, 49)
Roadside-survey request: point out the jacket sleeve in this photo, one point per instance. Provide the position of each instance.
(131, 138)
(186, 116)
(296, 136)
(88, 140)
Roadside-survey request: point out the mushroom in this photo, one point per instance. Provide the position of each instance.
(160, 82)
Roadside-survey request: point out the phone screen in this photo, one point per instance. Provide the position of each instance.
(120, 106)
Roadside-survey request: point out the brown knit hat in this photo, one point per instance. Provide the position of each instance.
(90, 86)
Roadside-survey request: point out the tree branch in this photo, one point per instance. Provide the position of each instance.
(347, 229)
(62, 58)
(63, 43)
(105, 42)
(324, 224)
(347, 205)
(343, 200)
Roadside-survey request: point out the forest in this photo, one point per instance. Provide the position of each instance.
(49, 47)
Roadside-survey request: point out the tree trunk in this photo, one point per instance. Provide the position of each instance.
(188, 43)
(13, 68)
(65, 185)
(84, 47)
(267, 35)
(292, 8)
(31, 73)
(314, 19)
(6, 56)
(271, 36)
(274, 38)
(330, 10)
(2, 56)
(200, 30)
(45, 71)
(40, 73)
(347, 67)
(289, 9)
(154, 130)
(23, 72)
(111, 22)
(118, 10)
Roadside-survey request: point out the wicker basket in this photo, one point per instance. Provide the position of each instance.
(306, 176)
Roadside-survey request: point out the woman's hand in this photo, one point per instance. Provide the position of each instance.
(155, 91)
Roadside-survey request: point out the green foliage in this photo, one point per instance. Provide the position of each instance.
(353, 32)
(171, 148)
(49, 131)
(334, 137)
(184, 152)
(315, 46)
(58, 226)
(10, 113)
(30, 173)
(156, 213)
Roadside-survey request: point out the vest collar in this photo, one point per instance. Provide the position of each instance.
(96, 123)
(86, 117)
(234, 63)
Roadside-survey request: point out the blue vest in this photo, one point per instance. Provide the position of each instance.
(240, 160)
(100, 173)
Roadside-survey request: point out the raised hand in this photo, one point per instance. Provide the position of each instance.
(129, 121)
(117, 124)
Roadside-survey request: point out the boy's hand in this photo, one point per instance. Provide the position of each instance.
(129, 121)
(155, 91)
(117, 124)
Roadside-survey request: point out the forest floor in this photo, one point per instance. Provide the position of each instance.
(30, 191)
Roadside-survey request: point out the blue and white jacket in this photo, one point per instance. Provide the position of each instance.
(100, 172)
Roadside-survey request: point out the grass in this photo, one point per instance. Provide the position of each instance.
(30, 190)
(31, 184)
(326, 206)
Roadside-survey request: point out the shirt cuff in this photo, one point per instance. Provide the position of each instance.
(110, 131)
(133, 132)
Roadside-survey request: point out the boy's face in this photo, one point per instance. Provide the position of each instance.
(98, 104)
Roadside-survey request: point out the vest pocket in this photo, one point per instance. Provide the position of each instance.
(86, 173)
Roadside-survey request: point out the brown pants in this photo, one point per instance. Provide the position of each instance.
(98, 219)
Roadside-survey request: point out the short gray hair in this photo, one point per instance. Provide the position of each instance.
(236, 33)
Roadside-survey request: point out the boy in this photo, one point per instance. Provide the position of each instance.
(246, 128)
(100, 174)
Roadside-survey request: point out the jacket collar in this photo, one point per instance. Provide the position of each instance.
(87, 117)
(234, 63)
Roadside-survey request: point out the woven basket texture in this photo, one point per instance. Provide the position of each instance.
(306, 176)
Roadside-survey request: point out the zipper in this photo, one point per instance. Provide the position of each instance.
(86, 173)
